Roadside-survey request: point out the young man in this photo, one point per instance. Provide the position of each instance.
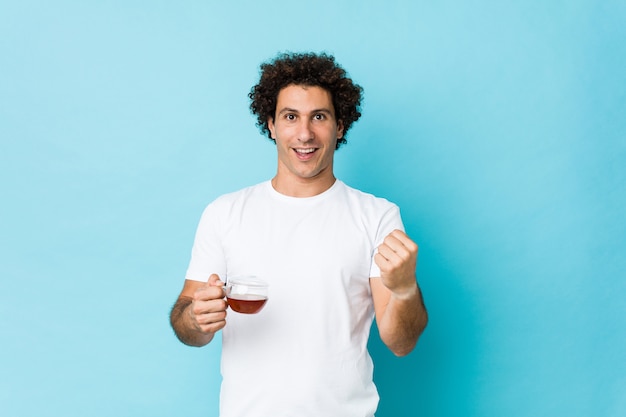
(334, 258)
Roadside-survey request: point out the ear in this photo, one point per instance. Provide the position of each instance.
(271, 127)
(339, 129)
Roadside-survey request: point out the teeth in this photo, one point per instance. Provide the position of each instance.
(307, 150)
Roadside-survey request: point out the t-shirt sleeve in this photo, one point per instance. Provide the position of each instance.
(207, 255)
(390, 221)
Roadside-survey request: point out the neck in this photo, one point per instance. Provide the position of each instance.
(302, 187)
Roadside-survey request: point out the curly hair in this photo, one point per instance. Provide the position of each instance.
(308, 69)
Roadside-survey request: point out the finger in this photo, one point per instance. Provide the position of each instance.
(214, 280)
(208, 293)
(394, 250)
(403, 239)
(387, 252)
(399, 243)
(213, 327)
(210, 306)
(398, 233)
(382, 262)
(211, 322)
(388, 260)
(210, 318)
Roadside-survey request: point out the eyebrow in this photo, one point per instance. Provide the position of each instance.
(290, 110)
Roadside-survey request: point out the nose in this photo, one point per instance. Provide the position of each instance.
(305, 132)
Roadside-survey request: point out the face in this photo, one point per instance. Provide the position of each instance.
(306, 133)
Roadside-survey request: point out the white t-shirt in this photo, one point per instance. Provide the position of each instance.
(305, 353)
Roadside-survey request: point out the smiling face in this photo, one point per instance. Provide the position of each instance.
(306, 133)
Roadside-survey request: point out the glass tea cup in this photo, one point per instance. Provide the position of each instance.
(246, 294)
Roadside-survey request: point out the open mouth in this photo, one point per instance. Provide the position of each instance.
(304, 152)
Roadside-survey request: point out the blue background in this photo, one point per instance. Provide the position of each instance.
(499, 127)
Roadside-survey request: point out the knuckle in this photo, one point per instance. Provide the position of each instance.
(195, 309)
(217, 293)
(202, 319)
(217, 305)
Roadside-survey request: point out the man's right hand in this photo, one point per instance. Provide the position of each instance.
(208, 307)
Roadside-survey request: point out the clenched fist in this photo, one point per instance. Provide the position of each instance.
(397, 260)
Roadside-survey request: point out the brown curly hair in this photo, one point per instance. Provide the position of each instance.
(309, 69)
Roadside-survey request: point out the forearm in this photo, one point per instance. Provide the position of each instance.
(403, 321)
(184, 326)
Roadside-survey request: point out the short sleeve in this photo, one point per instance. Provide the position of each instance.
(207, 255)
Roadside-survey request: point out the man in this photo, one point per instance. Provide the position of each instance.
(334, 258)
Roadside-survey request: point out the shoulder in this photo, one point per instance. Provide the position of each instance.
(376, 215)
(366, 201)
(242, 194)
(226, 202)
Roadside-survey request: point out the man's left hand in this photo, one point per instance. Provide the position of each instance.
(397, 260)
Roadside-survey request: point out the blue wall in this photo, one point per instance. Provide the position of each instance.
(499, 127)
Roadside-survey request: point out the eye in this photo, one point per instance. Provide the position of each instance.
(320, 116)
(290, 116)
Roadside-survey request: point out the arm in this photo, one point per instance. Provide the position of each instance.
(199, 312)
(400, 312)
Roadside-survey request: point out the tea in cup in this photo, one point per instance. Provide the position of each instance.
(246, 294)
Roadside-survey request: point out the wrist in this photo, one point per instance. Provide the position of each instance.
(406, 293)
